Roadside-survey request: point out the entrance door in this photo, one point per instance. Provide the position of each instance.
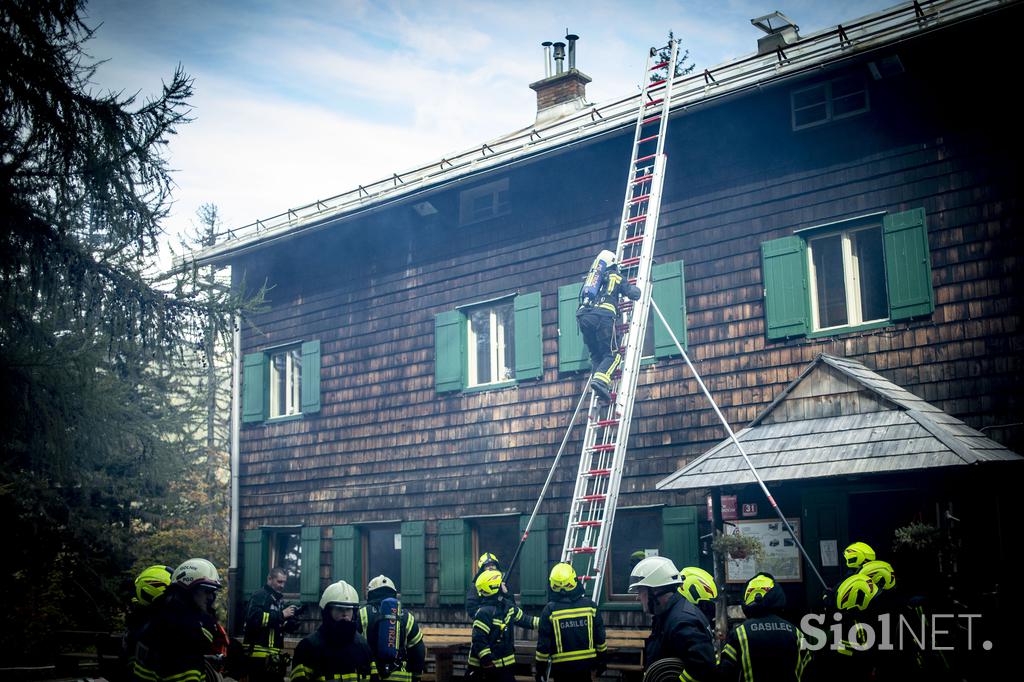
(825, 525)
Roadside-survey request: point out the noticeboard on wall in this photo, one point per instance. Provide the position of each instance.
(782, 556)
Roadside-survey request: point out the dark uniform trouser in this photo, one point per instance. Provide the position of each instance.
(596, 327)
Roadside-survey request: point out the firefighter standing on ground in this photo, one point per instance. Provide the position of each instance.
(678, 630)
(407, 659)
(336, 651)
(266, 620)
(597, 315)
(571, 633)
(765, 647)
(486, 562)
(493, 651)
(172, 646)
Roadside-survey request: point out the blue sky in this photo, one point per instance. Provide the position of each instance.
(297, 101)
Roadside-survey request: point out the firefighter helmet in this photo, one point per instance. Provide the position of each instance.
(562, 578)
(698, 585)
(857, 554)
(881, 574)
(856, 592)
(382, 581)
(151, 583)
(488, 583)
(654, 571)
(757, 587)
(197, 573)
(339, 594)
(486, 558)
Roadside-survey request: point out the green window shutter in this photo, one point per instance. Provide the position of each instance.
(533, 565)
(572, 352)
(309, 576)
(454, 542)
(253, 571)
(908, 270)
(669, 290)
(254, 395)
(784, 271)
(414, 562)
(680, 536)
(449, 351)
(310, 377)
(529, 344)
(346, 559)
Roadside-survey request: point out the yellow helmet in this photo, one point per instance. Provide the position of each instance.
(856, 592)
(486, 558)
(757, 587)
(562, 578)
(488, 583)
(881, 574)
(857, 554)
(151, 583)
(698, 585)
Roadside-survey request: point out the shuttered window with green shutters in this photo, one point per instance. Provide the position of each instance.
(455, 546)
(829, 280)
(346, 555)
(520, 351)
(414, 563)
(534, 562)
(257, 383)
(309, 577)
(572, 352)
(669, 291)
(254, 560)
(679, 535)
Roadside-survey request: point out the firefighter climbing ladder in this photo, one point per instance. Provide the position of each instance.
(592, 512)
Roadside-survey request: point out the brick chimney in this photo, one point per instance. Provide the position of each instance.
(564, 92)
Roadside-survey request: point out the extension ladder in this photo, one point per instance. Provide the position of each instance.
(592, 513)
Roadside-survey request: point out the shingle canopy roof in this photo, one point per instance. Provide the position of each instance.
(840, 418)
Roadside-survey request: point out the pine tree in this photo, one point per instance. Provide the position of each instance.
(682, 54)
(92, 340)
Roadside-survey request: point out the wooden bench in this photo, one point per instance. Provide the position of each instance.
(446, 644)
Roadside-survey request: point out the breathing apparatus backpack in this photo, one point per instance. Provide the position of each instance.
(596, 278)
(386, 636)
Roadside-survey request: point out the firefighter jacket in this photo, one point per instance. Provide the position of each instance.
(681, 631)
(570, 636)
(264, 623)
(613, 287)
(334, 652)
(412, 652)
(172, 645)
(494, 640)
(764, 649)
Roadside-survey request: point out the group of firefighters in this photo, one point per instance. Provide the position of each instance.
(172, 632)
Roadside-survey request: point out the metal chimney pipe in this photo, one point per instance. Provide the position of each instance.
(559, 57)
(572, 38)
(547, 58)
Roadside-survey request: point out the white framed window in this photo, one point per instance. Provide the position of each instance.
(491, 343)
(847, 278)
(285, 382)
(483, 202)
(286, 553)
(832, 100)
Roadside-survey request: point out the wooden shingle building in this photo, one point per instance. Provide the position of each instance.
(848, 199)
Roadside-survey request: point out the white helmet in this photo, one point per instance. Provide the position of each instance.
(654, 571)
(197, 573)
(608, 257)
(339, 594)
(381, 581)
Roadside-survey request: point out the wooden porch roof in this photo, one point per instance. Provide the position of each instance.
(839, 418)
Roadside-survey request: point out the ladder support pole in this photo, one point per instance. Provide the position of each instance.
(547, 482)
(736, 442)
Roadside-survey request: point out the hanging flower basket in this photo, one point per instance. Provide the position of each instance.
(736, 546)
